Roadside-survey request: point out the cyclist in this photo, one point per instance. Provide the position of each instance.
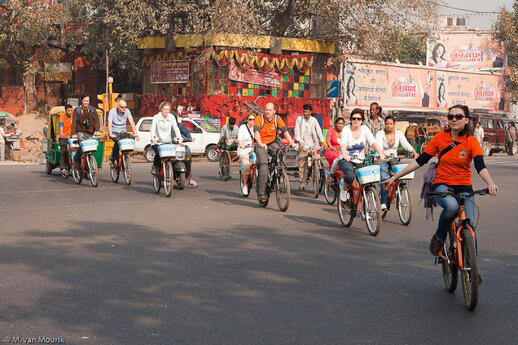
(117, 118)
(389, 139)
(457, 149)
(333, 141)
(65, 126)
(161, 127)
(308, 134)
(229, 131)
(186, 136)
(355, 137)
(245, 141)
(85, 124)
(265, 130)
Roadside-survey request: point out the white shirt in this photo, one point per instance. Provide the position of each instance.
(479, 134)
(308, 132)
(357, 146)
(3, 135)
(243, 137)
(161, 128)
(391, 148)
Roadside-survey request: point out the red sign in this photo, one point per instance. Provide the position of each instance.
(253, 76)
(167, 72)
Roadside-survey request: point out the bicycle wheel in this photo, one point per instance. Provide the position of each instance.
(282, 191)
(157, 183)
(315, 176)
(93, 170)
(450, 271)
(470, 269)
(404, 204)
(322, 180)
(126, 168)
(346, 207)
(224, 166)
(330, 192)
(77, 174)
(114, 172)
(372, 210)
(168, 178)
(180, 181)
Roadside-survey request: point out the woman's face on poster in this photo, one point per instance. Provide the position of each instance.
(350, 84)
(440, 51)
(442, 90)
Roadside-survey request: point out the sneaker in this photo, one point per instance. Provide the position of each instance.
(435, 246)
(383, 207)
(192, 184)
(262, 199)
(344, 195)
(245, 190)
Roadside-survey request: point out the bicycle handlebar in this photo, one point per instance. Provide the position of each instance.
(451, 193)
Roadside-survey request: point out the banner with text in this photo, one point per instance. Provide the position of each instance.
(253, 76)
(168, 72)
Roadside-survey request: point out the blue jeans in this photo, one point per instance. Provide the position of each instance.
(384, 175)
(348, 170)
(450, 207)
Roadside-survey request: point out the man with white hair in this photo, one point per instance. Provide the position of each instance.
(266, 134)
(117, 118)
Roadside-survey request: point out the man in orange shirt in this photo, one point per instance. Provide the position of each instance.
(65, 125)
(266, 128)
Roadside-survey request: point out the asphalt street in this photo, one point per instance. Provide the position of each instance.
(121, 265)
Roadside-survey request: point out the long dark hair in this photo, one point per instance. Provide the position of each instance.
(435, 49)
(467, 130)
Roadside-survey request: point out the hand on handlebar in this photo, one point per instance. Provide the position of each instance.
(383, 156)
(493, 189)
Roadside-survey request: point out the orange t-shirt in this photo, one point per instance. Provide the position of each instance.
(65, 123)
(454, 167)
(268, 132)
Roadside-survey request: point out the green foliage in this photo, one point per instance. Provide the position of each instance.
(507, 30)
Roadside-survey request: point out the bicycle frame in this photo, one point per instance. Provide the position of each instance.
(455, 232)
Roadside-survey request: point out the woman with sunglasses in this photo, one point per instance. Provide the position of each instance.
(453, 171)
(245, 140)
(354, 140)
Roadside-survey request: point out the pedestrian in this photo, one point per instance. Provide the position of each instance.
(411, 134)
(65, 128)
(510, 138)
(478, 133)
(375, 122)
(3, 135)
(308, 135)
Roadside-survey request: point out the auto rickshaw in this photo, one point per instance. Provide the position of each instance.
(53, 152)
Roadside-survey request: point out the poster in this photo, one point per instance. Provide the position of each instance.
(465, 50)
(167, 72)
(253, 76)
(421, 88)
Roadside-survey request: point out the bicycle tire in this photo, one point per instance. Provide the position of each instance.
(93, 170)
(282, 187)
(77, 174)
(372, 211)
(157, 184)
(470, 269)
(331, 192)
(346, 208)
(224, 166)
(315, 176)
(126, 168)
(322, 180)
(180, 181)
(168, 179)
(450, 271)
(114, 173)
(404, 204)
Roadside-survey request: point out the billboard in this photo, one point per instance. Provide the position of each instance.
(420, 88)
(253, 76)
(465, 50)
(167, 72)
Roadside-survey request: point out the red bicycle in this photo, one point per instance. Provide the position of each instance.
(399, 195)
(88, 165)
(123, 164)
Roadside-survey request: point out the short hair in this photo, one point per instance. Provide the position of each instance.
(163, 104)
(339, 119)
(68, 106)
(307, 107)
(232, 121)
(358, 111)
(84, 96)
(390, 117)
(376, 104)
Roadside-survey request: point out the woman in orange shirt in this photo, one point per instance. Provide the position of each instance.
(453, 172)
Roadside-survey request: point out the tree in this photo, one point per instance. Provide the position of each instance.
(507, 30)
(26, 32)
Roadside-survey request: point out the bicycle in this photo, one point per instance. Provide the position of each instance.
(277, 181)
(252, 176)
(459, 251)
(226, 158)
(165, 175)
(87, 165)
(363, 191)
(123, 162)
(331, 190)
(315, 173)
(399, 194)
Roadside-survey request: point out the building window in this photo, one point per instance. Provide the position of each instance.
(218, 79)
(318, 78)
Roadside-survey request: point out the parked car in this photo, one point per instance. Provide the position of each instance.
(494, 133)
(205, 137)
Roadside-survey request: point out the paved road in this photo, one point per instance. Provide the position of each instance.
(121, 265)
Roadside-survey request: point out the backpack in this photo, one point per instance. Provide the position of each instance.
(91, 109)
(275, 120)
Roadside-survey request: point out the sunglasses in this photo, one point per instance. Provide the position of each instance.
(122, 107)
(251, 119)
(356, 118)
(457, 117)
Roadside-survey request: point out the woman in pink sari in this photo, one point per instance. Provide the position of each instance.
(333, 141)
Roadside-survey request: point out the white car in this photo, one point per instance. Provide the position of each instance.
(205, 137)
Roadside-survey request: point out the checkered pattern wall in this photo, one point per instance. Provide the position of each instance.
(294, 84)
